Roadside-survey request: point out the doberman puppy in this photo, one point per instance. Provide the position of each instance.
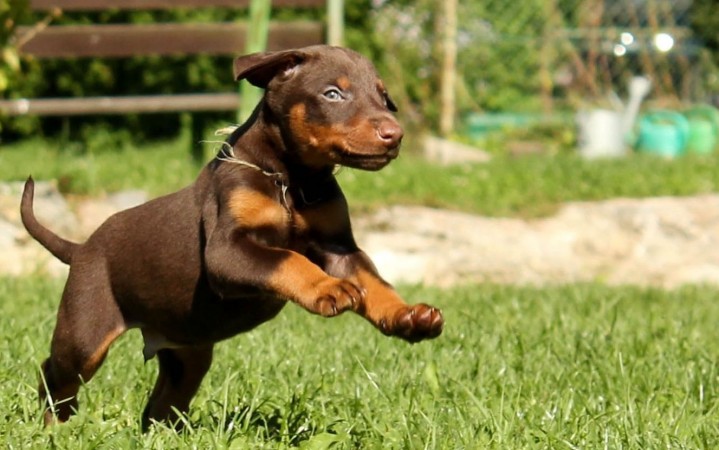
(264, 223)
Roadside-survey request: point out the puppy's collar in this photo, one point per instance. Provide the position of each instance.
(227, 154)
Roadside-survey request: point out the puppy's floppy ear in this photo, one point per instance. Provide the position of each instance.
(260, 68)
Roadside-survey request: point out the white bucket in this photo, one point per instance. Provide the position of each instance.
(601, 134)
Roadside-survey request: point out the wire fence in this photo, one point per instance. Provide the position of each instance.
(549, 55)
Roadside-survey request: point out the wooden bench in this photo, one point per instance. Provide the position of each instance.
(128, 40)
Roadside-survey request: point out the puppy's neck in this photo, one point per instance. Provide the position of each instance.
(261, 142)
(257, 142)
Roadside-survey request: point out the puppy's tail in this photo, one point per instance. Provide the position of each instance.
(59, 247)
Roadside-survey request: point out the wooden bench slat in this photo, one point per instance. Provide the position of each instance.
(99, 5)
(126, 40)
(121, 105)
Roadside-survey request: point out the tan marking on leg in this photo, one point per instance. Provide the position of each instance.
(252, 209)
(297, 278)
(381, 302)
(384, 308)
(88, 369)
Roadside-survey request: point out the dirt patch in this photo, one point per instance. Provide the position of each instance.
(665, 241)
(658, 241)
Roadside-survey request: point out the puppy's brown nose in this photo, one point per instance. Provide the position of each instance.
(390, 133)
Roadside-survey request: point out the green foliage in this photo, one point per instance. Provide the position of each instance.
(520, 57)
(135, 76)
(9, 59)
(85, 77)
(493, 74)
(578, 366)
(10, 66)
(705, 23)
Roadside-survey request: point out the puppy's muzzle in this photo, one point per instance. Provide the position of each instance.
(390, 135)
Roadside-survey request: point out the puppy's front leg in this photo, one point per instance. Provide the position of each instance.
(236, 262)
(381, 305)
(336, 252)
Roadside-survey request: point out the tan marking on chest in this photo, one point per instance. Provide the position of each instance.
(327, 219)
(252, 209)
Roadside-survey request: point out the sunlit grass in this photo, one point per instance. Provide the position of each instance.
(517, 367)
(527, 186)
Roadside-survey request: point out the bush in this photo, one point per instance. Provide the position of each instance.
(86, 77)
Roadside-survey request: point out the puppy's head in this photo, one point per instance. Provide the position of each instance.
(330, 104)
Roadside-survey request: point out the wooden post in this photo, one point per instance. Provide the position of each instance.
(449, 67)
(257, 31)
(335, 22)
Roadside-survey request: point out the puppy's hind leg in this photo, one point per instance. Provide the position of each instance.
(181, 372)
(88, 321)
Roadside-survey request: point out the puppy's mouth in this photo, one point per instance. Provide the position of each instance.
(370, 161)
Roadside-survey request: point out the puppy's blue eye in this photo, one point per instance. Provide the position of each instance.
(333, 94)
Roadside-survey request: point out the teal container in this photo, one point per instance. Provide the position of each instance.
(480, 126)
(663, 133)
(703, 129)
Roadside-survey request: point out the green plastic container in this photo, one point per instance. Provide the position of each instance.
(663, 133)
(479, 126)
(703, 129)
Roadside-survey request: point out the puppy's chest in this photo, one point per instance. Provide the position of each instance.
(280, 217)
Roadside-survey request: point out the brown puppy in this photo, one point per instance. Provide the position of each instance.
(264, 223)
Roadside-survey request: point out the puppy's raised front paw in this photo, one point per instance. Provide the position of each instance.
(415, 323)
(336, 296)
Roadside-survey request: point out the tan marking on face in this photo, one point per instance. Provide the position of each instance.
(252, 209)
(298, 124)
(344, 83)
(319, 142)
(329, 135)
(314, 140)
(357, 136)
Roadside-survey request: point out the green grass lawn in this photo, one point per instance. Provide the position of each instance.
(527, 186)
(581, 366)
(559, 367)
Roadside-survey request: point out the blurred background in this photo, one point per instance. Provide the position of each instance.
(557, 195)
(536, 69)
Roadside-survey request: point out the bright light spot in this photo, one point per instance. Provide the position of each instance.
(663, 42)
(620, 50)
(627, 38)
